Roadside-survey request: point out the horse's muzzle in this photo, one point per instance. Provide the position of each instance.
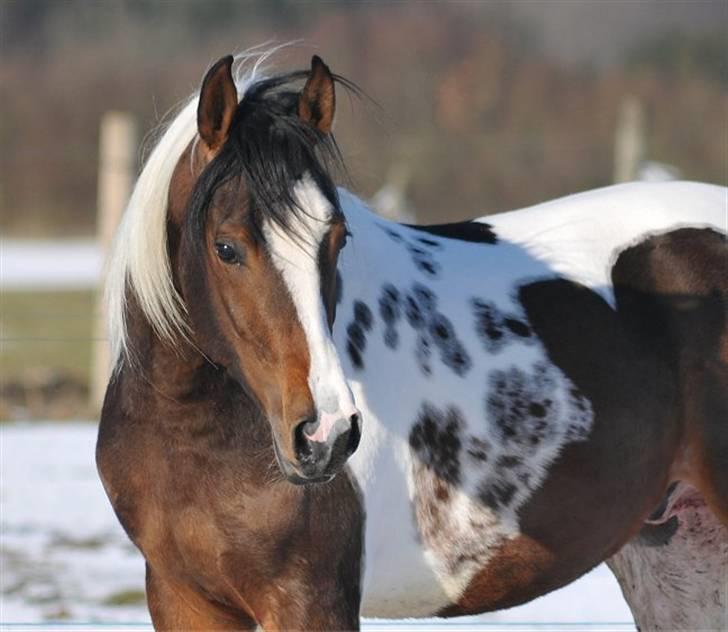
(322, 447)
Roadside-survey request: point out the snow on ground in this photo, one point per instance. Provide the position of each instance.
(62, 553)
(54, 265)
(64, 557)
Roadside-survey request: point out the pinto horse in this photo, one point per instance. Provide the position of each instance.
(317, 413)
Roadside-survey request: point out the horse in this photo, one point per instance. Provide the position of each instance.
(316, 414)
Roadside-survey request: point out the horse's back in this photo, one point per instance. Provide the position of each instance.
(581, 235)
(622, 208)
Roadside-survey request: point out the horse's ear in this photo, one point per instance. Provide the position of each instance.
(317, 101)
(218, 101)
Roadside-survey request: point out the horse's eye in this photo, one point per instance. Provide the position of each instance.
(227, 253)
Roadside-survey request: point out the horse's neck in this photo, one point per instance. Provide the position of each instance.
(170, 370)
(174, 387)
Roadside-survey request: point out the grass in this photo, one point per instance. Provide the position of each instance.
(129, 597)
(91, 543)
(41, 331)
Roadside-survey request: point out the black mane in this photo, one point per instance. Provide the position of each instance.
(271, 148)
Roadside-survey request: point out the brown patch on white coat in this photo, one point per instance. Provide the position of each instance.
(587, 508)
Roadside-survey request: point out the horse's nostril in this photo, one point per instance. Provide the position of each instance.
(326, 442)
(302, 445)
(309, 426)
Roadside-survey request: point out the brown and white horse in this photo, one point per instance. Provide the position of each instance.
(316, 413)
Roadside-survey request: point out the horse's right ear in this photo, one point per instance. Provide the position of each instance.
(218, 101)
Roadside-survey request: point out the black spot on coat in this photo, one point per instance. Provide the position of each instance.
(478, 449)
(424, 297)
(424, 261)
(423, 354)
(413, 312)
(363, 315)
(497, 493)
(356, 333)
(356, 336)
(354, 355)
(430, 243)
(435, 439)
(390, 310)
(496, 329)
(521, 406)
(471, 231)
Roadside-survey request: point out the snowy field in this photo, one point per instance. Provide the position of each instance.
(64, 558)
(43, 265)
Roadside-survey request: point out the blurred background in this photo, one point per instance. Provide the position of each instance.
(477, 107)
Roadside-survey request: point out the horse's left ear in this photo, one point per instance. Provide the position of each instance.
(317, 101)
(218, 102)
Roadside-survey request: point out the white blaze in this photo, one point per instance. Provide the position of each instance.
(297, 261)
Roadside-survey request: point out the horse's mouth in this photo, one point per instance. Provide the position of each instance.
(293, 475)
(299, 480)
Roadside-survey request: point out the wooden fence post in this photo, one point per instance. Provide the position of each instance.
(629, 140)
(117, 168)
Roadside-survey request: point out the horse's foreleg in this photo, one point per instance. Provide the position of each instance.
(317, 617)
(314, 605)
(176, 607)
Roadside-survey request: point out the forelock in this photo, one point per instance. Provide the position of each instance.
(268, 152)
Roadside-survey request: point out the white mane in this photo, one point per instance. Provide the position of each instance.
(139, 262)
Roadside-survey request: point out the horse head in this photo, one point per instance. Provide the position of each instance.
(258, 229)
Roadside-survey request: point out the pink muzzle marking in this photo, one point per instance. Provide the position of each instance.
(326, 422)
